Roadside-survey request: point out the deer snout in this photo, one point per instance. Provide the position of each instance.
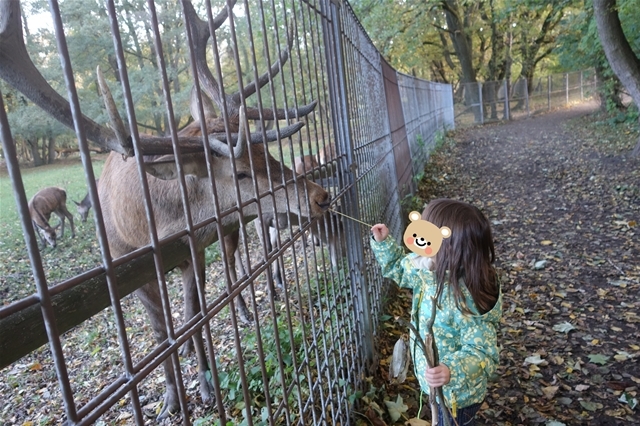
(325, 202)
(324, 205)
(319, 202)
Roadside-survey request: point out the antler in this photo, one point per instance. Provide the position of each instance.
(17, 69)
(231, 102)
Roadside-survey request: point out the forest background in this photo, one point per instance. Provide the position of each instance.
(451, 41)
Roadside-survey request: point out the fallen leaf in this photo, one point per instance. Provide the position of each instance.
(550, 391)
(598, 358)
(534, 359)
(564, 327)
(417, 422)
(628, 399)
(396, 409)
(622, 356)
(591, 406)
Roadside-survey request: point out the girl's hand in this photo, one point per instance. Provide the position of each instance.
(380, 232)
(438, 376)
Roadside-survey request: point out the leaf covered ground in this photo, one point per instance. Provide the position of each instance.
(563, 196)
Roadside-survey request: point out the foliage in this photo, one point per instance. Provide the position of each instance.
(505, 37)
(579, 48)
(274, 338)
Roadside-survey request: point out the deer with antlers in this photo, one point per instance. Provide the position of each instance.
(44, 202)
(328, 230)
(235, 163)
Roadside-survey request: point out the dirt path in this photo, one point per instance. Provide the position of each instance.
(564, 198)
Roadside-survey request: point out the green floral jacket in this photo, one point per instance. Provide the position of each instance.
(467, 344)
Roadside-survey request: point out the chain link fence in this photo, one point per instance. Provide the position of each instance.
(482, 102)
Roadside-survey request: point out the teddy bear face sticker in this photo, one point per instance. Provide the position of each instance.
(423, 237)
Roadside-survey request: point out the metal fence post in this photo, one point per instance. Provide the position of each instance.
(566, 87)
(480, 103)
(507, 112)
(338, 97)
(548, 92)
(581, 88)
(526, 96)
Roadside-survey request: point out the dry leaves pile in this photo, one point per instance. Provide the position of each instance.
(563, 196)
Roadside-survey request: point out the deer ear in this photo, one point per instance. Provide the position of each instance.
(165, 167)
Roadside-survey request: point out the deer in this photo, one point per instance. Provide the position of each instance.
(42, 204)
(327, 153)
(121, 193)
(328, 230)
(84, 206)
(305, 164)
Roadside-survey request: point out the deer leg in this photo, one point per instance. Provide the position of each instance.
(278, 265)
(36, 229)
(191, 308)
(70, 217)
(61, 217)
(232, 254)
(149, 295)
(190, 304)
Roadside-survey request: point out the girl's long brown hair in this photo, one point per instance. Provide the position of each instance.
(467, 255)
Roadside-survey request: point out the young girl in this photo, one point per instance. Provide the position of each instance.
(469, 307)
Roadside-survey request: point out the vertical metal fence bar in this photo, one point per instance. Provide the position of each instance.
(211, 355)
(548, 92)
(153, 235)
(507, 112)
(480, 103)
(352, 230)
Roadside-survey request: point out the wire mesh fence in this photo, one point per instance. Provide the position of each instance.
(482, 102)
(233, 245)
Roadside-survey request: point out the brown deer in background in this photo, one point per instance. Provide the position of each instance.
(305, 164)
(327, 154)
(44, 202)
(121, 195)
(84, 206)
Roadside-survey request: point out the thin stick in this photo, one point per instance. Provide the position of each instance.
(352, 218)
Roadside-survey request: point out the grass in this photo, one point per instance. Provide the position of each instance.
(71, 257)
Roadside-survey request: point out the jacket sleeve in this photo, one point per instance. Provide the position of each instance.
(390, 256)
(475, 362)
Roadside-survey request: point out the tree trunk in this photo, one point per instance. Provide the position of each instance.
(464, 51)
(624, 63)
(35, 152)
(52, 149)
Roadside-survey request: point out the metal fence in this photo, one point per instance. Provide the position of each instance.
(482, 102)
(304, 350)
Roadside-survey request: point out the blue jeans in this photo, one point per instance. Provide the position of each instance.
(464, 417)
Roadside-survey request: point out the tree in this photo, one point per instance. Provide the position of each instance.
(621, 57)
